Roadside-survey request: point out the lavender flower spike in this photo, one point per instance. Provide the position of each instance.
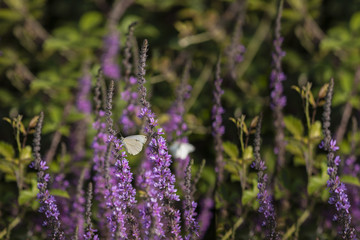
(90, 233)
(108, 60)
(264, 197)
(120, 196)
(83, 104)
(337, 189)
(160, 180)
(278, 100)
(191, 225)
(48, 204)
(218, 128)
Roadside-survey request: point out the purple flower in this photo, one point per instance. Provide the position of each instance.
(352, 168)
(277, 77)
(132, 108)
(175, 126)
(160, 182)
(64, 204)
(333, 146)
(109, 58)
(82, 102)
(48, 204)
(264, 198)
(277, 99)
(338, 196)
(43, 165)
(99, 146)
(205, 215)
(239, 53)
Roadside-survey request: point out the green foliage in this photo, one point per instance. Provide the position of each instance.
(294, 126)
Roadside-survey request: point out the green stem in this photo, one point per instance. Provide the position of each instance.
(6, 232)
(19, 172)
(237, 224)
(295, 228)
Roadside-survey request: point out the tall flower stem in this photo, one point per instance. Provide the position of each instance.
(218, 128)
(47, 201)
(337, 189)
(278, 101)
(264, 197)
(120, 195)
(159, 179)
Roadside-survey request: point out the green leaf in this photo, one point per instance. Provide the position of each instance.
(26, 196)
(10, 15)
(312, 99)
(316, 184)
(231, 150)
(33, 122)
(232, 168)
(248, 153)
(323, 91)
(54, 44)
(299, 161)
(249, 195)
(350, 180)
(6, 150)
(294, 147)
(296, 88)
(294, 126)
(8, 120)
(75, 116)
(90, 20)
(355, 102)
(59, 193)
(315, 130)
(355, 22)
(6, 167)
(26, 154)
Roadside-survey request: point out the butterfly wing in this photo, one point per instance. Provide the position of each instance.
(139, 138)
(134, 144)
(181, 150)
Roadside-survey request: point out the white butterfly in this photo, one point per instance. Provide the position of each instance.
(134, 144)
(181, 150)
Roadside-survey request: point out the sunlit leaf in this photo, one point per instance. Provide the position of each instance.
(350, 180)
(7, 150)
(315, 130)
(59, 193)
(33, 122)
(26, 196)
(294, 126)
(323, 90)
(90, 20)
(231, 149)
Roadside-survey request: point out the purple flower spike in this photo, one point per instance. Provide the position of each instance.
(83, 104)
(337, 189)
(278, 100)
(119, 194)
(159, 181)
(264, 197)
(108, 59)
(353, 169)
(132, 108)
(48, 204)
